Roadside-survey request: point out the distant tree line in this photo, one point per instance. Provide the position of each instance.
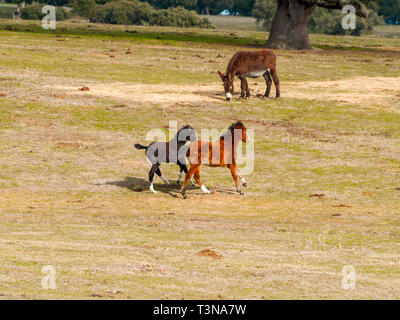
(389, 9)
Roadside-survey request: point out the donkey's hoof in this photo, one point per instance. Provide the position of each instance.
(178, 182)
(245, 184)
(241, 193)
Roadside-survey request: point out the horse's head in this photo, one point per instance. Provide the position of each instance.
(186, 133)
(239, 126)
(228, 85)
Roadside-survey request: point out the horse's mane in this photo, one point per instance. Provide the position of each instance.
(232, 127)
(186, 127)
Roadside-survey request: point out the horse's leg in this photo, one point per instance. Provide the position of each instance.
(158, 172)
(192, 170)
(268, 81)
(241, 177)
(183, 169)
(198, 180)
(235, 177)
(276, 82)
(180, 173)
(153, 169)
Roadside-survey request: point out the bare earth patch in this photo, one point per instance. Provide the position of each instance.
(360, 90)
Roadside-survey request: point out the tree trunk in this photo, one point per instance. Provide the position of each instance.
(297, 35)
(290, 25)
(280, 23)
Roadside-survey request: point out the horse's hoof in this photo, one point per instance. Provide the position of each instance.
(184, 196)
(241, 193)
(178, 182)
(245, 184)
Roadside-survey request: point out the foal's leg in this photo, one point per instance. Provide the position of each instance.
(158, 171)
(241, 177)
(153, 169)
(235, 177)
(192, 170)
(276, 82)
(198, 180)
(183, 169)
(268, 81)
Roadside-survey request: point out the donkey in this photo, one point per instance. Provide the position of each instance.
(252, 64)
(216, 154)
(173, 151)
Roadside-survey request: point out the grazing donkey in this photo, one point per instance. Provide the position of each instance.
(216, 154)
(173, 151)
(252, 64)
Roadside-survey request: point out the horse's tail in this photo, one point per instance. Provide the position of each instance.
(139, 146)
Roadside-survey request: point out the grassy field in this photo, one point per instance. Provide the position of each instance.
(324, 193)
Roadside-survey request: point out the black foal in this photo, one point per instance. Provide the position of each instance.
(173, 151)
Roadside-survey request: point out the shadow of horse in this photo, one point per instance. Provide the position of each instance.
(140, 185)
(173, 189)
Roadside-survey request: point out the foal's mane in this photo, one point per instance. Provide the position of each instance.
(232, 127)
(186, 127)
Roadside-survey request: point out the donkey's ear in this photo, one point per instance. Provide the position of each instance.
(221, 75)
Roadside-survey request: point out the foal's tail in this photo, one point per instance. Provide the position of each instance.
(139, 146)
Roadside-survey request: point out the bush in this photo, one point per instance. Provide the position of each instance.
(83, 7)
(141, 13)
(330, 22)
(34, 12)
(264, 11)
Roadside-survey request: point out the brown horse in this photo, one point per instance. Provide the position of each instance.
(216, 154)
(251, 64)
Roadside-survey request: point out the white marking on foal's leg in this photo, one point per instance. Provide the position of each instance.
(204, 189)
(180, 176)
(242, 179)
(152, 189)
(229, 96)
(163, 179)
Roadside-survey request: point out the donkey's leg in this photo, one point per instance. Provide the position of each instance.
(242, 85)
(247, 88)
(192, 170)
(276, 82)
(268, 81)
(158, 172)
(198, 180)
(235, 177)
(153, 169)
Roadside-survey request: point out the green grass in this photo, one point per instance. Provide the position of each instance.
(73, 188)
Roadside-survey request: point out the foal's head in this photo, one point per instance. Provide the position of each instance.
(228, 85)
(238, 127)
(186, 133)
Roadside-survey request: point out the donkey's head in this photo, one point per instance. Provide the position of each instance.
(228, 85)
(186, 133)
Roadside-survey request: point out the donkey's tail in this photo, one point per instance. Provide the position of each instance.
(139, 146)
